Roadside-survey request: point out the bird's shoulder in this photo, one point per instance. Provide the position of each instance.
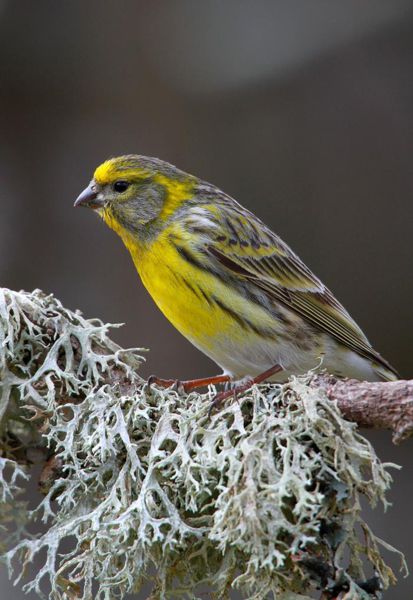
(215, 221)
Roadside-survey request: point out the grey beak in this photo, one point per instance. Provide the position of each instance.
(89, 198)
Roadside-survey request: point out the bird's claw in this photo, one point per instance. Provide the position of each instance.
(178, 386)
(175, 384)
(219, 398)
(236, 389)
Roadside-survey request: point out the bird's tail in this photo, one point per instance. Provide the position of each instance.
(386, 372)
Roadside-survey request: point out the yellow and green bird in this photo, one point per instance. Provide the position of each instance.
(224, 279)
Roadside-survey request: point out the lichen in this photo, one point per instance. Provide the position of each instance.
(262, 495)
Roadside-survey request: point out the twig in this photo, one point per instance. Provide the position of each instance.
(378, 405)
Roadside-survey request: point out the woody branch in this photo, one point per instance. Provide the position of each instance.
(378, 405)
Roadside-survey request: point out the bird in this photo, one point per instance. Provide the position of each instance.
(225, 280)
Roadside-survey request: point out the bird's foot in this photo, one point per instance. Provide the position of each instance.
(183, 387)
(234, 391)
(242, 386)
(174, 384)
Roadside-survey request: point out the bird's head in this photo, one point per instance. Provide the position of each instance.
(133, 192)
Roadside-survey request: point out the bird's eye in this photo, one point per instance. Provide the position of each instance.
(121, 186)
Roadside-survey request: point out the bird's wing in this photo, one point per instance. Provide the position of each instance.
(245, 246)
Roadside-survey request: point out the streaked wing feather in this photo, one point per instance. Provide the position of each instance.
(275, 269)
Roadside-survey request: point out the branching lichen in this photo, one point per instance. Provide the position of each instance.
(263, 496)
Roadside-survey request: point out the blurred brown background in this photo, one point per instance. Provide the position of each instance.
(303, 111)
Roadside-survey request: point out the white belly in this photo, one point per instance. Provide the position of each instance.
(255, 356)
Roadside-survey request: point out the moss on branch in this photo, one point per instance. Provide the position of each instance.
(142, 484)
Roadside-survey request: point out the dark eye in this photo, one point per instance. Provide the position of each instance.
(121, 186)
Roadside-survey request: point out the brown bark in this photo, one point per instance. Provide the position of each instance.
(378, 405)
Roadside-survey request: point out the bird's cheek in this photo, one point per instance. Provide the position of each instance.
(106, 214)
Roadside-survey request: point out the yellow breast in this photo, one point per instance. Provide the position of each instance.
(205, 309)
(176, 288)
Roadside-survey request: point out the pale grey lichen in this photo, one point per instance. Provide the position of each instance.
(263, 495)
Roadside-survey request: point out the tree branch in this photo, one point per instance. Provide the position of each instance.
(378, 405)
(372, 405)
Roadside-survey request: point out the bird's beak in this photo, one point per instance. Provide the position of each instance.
(90, 198)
